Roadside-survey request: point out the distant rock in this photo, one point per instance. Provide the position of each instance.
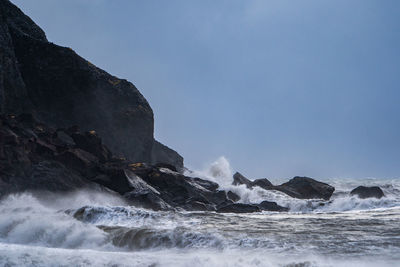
(271, 206)
(263, 183)
(232, 196)
(306, 188)
(239, 179)
(239, 208)
(367, 192)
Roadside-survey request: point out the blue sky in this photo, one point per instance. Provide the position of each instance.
(280, 88)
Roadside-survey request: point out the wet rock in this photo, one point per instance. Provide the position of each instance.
(209, 185)
(91, 142)
(232, 196)
(263, 183)
(79, 160)
(306, 188)
(271, 206)
(61, 138)
(239, 208)
(239, 179)
(165, 155)
(367, 192)
(167, 166)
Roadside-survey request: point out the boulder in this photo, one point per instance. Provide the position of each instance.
(181, 191)
(79, 160)
(306, 188)
(232, 196)
(271, 206)
(91, 142)
(239, 208)
(209, 185)
(239, 179)
(367, 192)
(263, 183)
(167, 166)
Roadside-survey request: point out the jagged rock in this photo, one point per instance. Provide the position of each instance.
(239, 179)
(91, 142)
(166, 165)
(306, 188)
(232, 196)
(367, 192)
(143, 195)
(61, 138)
(271, 206)
(263, 183)
(209, 185)
(64, 89)
(239, 208)
(163, 154)
(79, 160)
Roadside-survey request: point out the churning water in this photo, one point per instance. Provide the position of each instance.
(93, 229)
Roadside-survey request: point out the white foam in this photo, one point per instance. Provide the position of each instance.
(24, 220)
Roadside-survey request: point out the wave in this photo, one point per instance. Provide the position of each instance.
(18, 255)
(221, 172)
(25, 220)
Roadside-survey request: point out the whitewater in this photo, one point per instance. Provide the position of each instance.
(89, 228)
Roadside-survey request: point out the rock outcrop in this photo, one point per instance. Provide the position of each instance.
(34, 156)
(298, 187)
(62, 89)
(306, 188)
(239, 179)
(367, 192)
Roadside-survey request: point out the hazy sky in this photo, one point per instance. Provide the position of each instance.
(281, 88)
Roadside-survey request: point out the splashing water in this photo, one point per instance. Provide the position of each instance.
(99, 229)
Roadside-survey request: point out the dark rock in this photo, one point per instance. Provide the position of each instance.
(91, 142)
(239, 208)
(8, 137)
(79, 160)
(63, 89)
(263, 183)
(163, 154)
(232, 196)
(44, 148)
(306, 188)
(239, 179)
(115, 179)
(167, 166)
(63, 139)
(367, 192)
(143, 195)
(271, 206)
(148, 200)
(209, 185)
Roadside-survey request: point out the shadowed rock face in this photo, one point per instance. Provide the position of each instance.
(62, 89)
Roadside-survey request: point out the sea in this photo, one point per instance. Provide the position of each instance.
(90, 228)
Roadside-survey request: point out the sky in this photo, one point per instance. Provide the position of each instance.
(280, 88)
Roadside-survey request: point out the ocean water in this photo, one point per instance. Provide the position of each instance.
(95, 229)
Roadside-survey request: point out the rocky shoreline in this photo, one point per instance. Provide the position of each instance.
(35, 156)
(67, 125)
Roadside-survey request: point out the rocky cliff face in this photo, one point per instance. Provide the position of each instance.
(62, 89)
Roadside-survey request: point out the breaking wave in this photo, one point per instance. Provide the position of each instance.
(99, 229)
(221, 172)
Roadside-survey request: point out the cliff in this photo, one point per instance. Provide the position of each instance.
(61, 89)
